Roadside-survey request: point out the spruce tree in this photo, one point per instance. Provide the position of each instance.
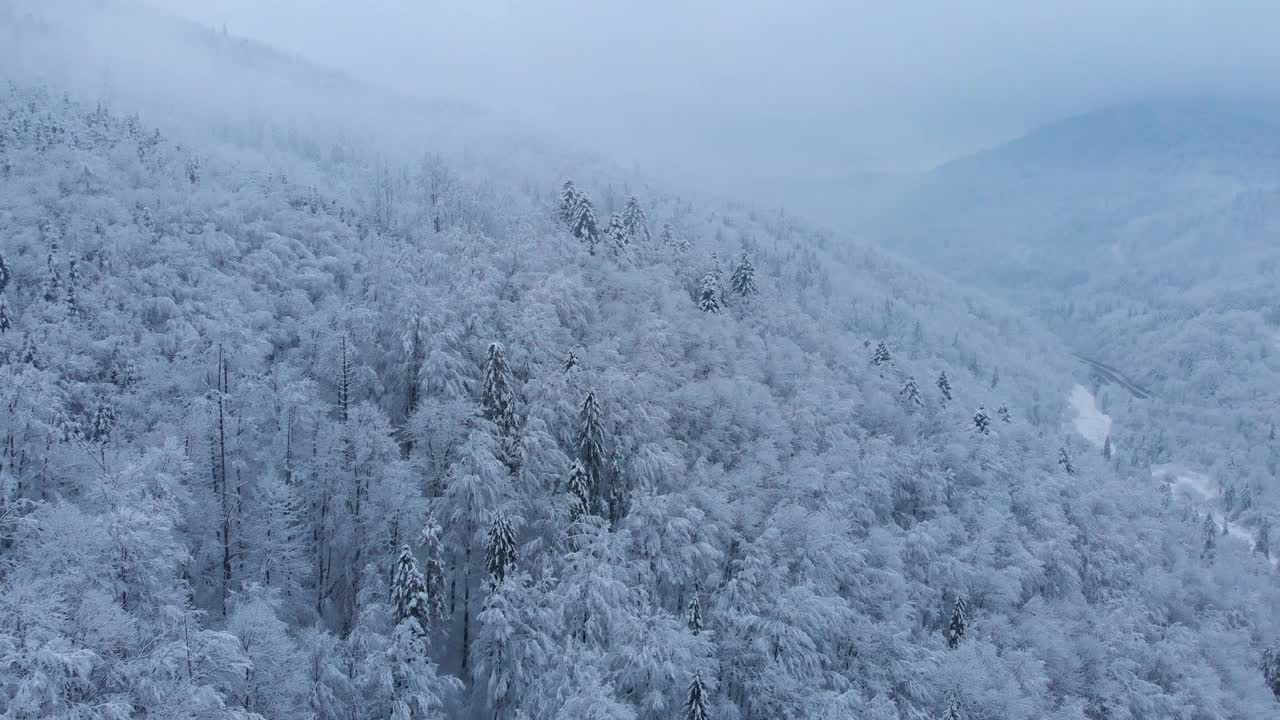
(1106, 449)
(995, 377)
(496, 396)
(695, 708)
(944, 386)
(1229, 497)
(910, 392)
(571, 361)
(743, 281)
(1262, 543)
(709, 293)
(5, 323)
(1210, 533)
(881, 356)
(1003, 413)
(583, 222)
(53, 279)
(695, 615)
(433, 568)
(500, 550)
(1271, 671)
(409, 597)
(568, 202)
(579, 486)
(615, 233)
(5, 274)
(633, 219)
(73, 279)
(1246, 497)
(953, 710)
(591, 451)
(104, 417)
(959, 621)
(667, 237)
(1064, 459)
(981, 421)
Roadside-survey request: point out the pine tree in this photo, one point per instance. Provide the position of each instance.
(1229, 498)
(1106, 449)
(1262, 543)
(709, 294)
(1064, 459)
(104, 417)
(1003, 413)
(53, 279)
(615, 233)
(695, 615)
(1246, 497)
(496, 396)
(583, 221)
(344, 379)
(910, 392)
(743, 281)
(500, 550)
(633, 219)
(571, 361)
(579, 487)
(1210, 532)
(696, 706)
(944, 386)
(591, 452)
(433, 569)
(1271, 671)
(953, 710)
(981, 421)
(409, 591)
(568, 202)
(959, 621)
(5, 274)
(995, 377)
(5, 323)
(667, 237)
(73, 279)
(881, 355)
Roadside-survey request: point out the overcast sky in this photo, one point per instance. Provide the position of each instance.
(732, 88)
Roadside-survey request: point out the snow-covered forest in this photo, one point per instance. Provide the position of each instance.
(297, 426)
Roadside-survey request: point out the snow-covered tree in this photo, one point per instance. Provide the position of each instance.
(5, 274)
(743, 280)
(568, 202)
(944, 386)
(910, 393)
(496, 395)
(982, 421)
(1271, 671)
(709, 293)
(5, 322)
(633, 219)
(583, 223)
(695, 707)
(695, 615)
(1106, 449)
(1210, 535)
(409, 591)
(881, 356)
(433, 576)
(959, 622)
(570, 362)
(590, 447)
(616, 235)
(500, 548)
(1064, 460)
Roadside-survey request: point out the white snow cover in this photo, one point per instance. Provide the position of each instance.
(1093, 424)
(1201, 487)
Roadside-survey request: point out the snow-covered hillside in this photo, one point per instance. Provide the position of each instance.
(294, 430)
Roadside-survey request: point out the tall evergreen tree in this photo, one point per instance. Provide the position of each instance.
(695, 708)
(568, 202)
(591, 452)
(709, 293)
(944, 386)
(1003, 413)
(570, 362)
(5, 322)
(53, 278)
(409, 597)
(959, 622)
(496, 396)
(433, 578)
(500, 550)
(881, 356)
(1262, 542)
(73, 280)
(953, 710)
(695, 615)
(667, 237)
(579, 486)
(5, 274)
(1106, 449)
(910, 392)
(1210, 533)
(1229, 497)
(743, 280)
(633, 219)
(1271, 671)
(616, 235)
(583, 222)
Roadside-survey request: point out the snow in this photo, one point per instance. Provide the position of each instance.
(1199, 486)
(1093, 424)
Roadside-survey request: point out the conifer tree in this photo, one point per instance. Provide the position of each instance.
(953, 710)
(568, 201)
(667, 237)
(5, 274)
(633, 219)
(944, 386)
(583, 222)
(1262, 543)
(1064, 459)
(104, 417)
(881, 356)
(571, 361)
(910, 392)
(5, 322)
(1229, 497)
(959, 621)
(496, 396)
(743, 280)
(709, 293)
(500, 550)
(1271, 671)
(1003, 413)
(981, 421)
(695, 708)
(1246, 497)
(615, 233)
(1210, 532)
(695, 615)
(73, 279)
(53, 279)
(579, 486)
(344, 379)
(432, 550)
(591, 452)
(409, 597)
(1106, 449)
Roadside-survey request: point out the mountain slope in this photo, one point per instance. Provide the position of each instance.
(235, 399)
